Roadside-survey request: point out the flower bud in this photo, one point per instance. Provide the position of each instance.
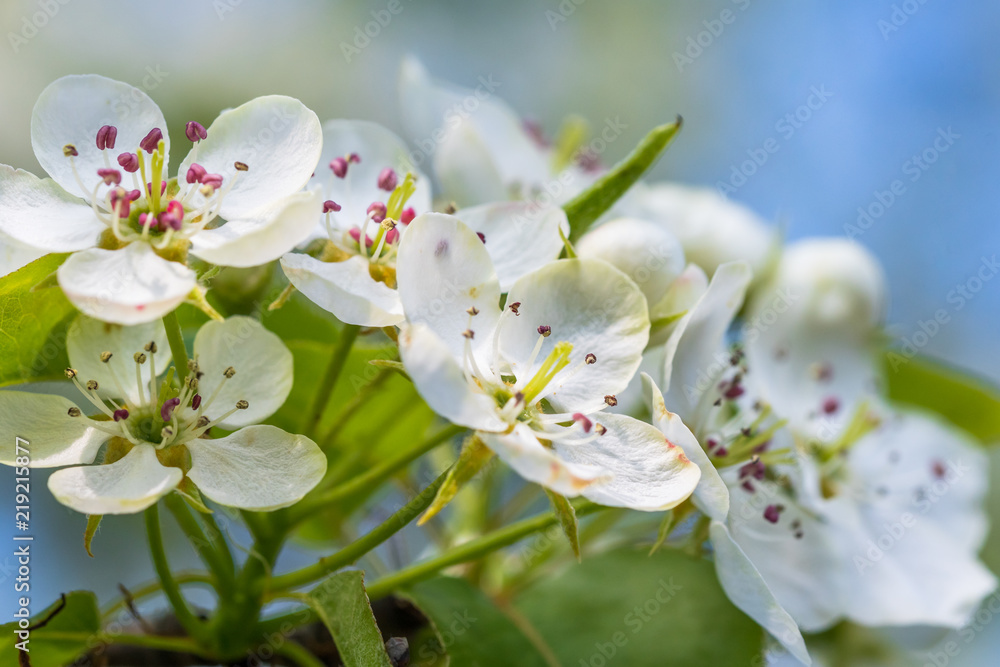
(712, 230)
(644, 251)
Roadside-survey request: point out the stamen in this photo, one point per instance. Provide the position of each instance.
(331, 206)
(376, 211)
(120, 415)
(69, 150)
(591, 358)
(196, 173)
(611, 400)
(139, 359)
(583, 421)
(74, 412)
(338, 166)
(387, 179)
(106, 137)
(110, 176)
(482, 237)
(167, 409)
(129, 162)
(151, 140)
(545, 331)
(407, 216)
(195, 131)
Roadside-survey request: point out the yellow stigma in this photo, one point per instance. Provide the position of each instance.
(557, 360)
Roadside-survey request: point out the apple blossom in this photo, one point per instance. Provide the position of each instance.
(534, 377)
(111, 202)
(373, 191)
(150, 437)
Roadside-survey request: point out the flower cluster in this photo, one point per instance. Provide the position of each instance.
(674, 355)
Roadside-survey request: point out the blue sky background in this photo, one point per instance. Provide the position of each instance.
(891, 93)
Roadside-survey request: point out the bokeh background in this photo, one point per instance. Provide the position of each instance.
(893, 77)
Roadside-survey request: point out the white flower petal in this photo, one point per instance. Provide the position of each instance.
(681, 296)
(644, 251)
(466, 168)
(345, 289)
(131, 285)
(747, 590)
(378, 148)
(712, 494)
(277, 137)
(695, 351)
(258, 468)
(593, 306)
(15, 255)
(260, 236)
(812, 333)
(918, 528)
(521, 450)
(520, 236)
(647, 472)
(46, 430)
(38, 213)
(432, 108)
(88, 338)
(262, 363)
(712, 229)
(72, 109)
(441, 381)
(442, 270)
(803, 573)
(126, 486)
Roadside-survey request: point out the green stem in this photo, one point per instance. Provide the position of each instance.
(192, 625)
(371, 480)
(209, 549)
(337, 361)
(299, 654)
(471, 551)
(173, 644)
(355, 550)
(176, 340)
(152, 587)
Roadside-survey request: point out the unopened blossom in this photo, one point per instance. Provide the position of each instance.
(112, 202)
(533, 378)
(148, 437)
(350, 268)
(481, 151)
(712, 229)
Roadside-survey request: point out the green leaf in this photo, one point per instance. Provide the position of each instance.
(79, 615)
(342, 605)
(628, 608)
(589, 205)
(93, 521)
(473, 457)
(33, 324)
(567, 519)
(467, 625)
(663, 531)
(967, 401)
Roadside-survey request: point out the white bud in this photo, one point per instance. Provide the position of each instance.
(644, 251)
(712, 229)
(828, 284)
